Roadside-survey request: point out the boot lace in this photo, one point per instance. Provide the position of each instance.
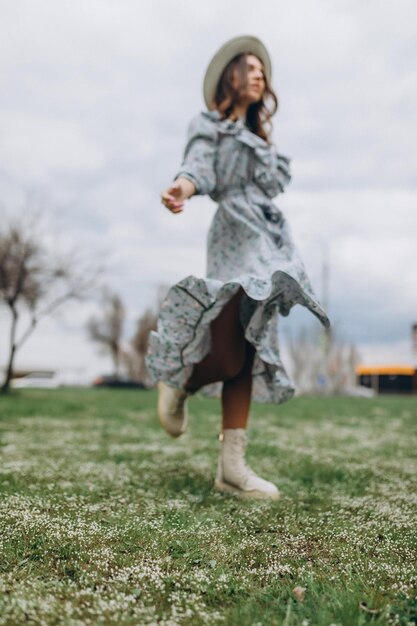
(243, 472)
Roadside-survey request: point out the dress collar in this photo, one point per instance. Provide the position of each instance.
(237, 128)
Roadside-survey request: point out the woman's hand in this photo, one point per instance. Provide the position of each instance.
(180, 190)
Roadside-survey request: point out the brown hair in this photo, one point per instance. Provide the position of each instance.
(259, 113)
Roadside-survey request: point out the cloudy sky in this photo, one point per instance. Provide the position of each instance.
(95, 99)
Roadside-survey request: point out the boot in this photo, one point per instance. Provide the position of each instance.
(233, 475)
(172, 409)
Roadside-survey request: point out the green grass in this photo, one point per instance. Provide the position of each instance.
(105, 520)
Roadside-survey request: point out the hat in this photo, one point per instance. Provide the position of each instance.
(229, 50)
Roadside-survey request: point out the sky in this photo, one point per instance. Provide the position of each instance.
(95, 100)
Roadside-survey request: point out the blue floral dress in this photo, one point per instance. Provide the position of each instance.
(249, 246)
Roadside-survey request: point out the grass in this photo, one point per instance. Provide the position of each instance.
(105, 520)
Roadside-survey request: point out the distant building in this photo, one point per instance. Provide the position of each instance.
(384, 379)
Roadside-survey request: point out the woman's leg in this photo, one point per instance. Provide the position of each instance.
(233, 473)
(228, 354)
(227, 361)
(236, 394)
(230, 361)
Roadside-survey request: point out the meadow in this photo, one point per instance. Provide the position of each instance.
(105, 520)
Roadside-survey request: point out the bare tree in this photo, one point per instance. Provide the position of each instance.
(306, 358)
(36, 280)
(322, 363)
(107, 329)
(135, 353)
(139, 346)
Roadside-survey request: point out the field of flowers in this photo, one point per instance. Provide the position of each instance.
(104, 520)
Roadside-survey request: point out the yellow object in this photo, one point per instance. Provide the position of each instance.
(389, 370)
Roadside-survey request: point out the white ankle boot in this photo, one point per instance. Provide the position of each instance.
(233, 475)
(172, 409)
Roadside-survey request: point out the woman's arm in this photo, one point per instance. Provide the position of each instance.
(197, 173)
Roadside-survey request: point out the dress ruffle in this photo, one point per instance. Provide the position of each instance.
(183, 335)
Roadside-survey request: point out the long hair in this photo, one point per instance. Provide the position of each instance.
(259, 114)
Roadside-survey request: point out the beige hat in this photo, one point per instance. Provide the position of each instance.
(233, 47)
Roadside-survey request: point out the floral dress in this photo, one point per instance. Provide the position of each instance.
(249, 246)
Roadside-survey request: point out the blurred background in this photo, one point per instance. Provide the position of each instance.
(95, 100)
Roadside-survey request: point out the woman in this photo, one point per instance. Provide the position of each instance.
(224, 329)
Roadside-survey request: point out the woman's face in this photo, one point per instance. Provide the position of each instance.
(255, 86)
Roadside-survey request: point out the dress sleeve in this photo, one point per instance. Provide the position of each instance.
(199, 155)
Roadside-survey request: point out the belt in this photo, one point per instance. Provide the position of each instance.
(243, 190)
